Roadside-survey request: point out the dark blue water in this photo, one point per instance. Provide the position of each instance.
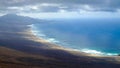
(99, 36)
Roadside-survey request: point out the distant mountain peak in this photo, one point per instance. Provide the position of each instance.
(18, 18)
(11, 15)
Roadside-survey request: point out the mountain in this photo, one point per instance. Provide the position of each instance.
(13, 18)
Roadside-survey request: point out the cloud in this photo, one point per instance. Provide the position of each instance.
(58, 5)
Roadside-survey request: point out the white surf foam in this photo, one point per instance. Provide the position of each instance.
(52, 40)
(98, 52)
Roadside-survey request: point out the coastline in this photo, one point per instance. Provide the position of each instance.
(51, 45)
(58, 46)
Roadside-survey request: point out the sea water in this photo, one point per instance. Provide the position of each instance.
(97, 36)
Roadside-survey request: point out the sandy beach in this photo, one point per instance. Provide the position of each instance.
(20, 48)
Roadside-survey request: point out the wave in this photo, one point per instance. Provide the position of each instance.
(98, 52)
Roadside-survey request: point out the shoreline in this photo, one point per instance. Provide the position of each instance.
(51, 45)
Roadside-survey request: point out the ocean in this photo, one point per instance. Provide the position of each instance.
(97, 36)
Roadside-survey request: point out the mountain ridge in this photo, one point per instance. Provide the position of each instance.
(9, 18)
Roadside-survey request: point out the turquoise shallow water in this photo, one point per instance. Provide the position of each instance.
(100, 36)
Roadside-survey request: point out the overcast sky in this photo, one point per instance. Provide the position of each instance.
(62, 8)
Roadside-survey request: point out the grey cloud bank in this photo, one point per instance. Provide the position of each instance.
(17, 6)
